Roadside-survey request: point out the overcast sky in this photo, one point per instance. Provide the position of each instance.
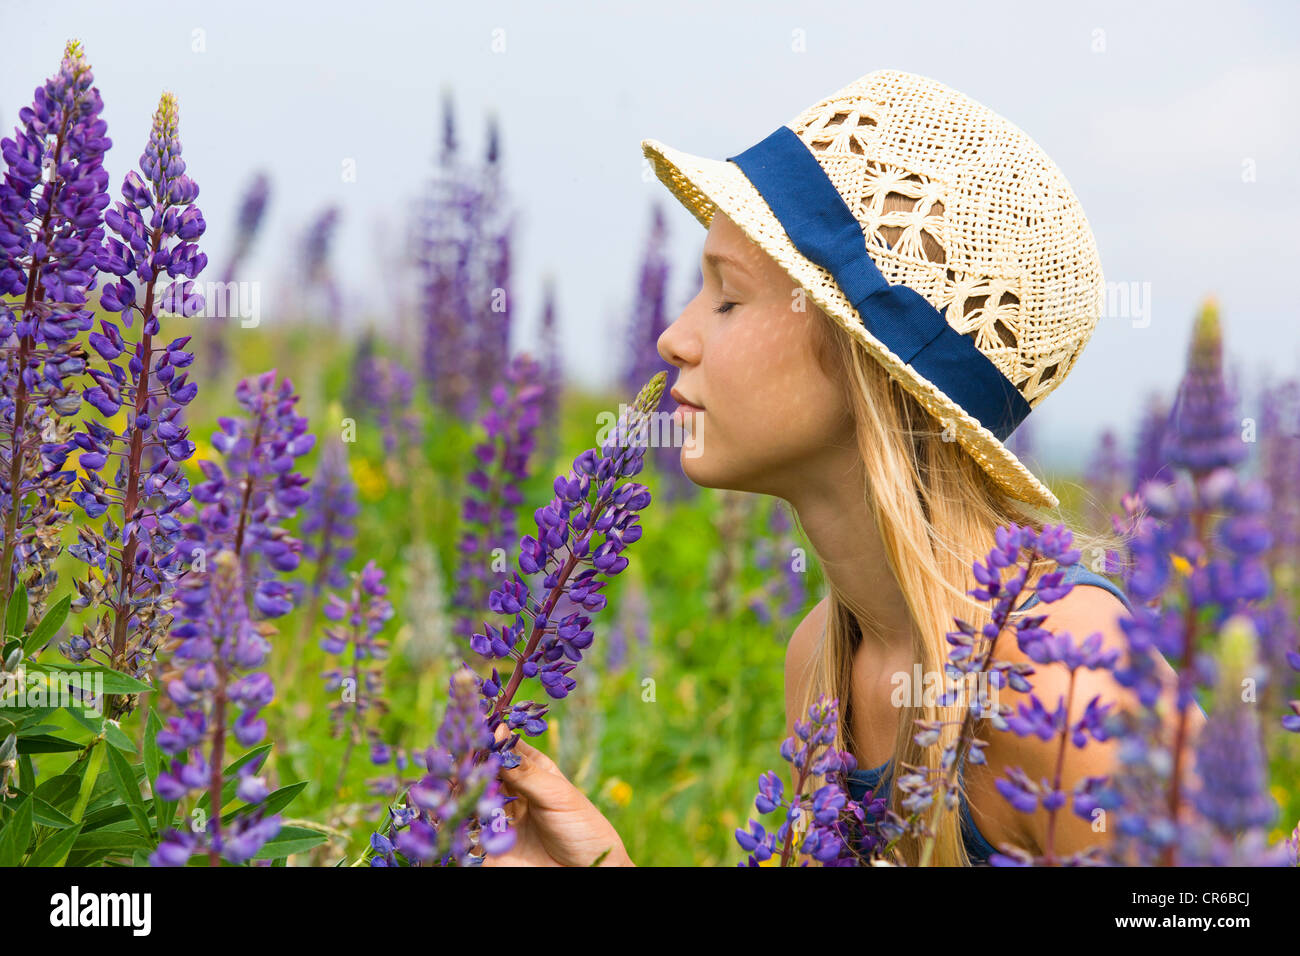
(1175, 124)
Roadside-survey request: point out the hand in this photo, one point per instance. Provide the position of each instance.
(554, 822)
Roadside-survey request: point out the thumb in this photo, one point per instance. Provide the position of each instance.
(536, 776)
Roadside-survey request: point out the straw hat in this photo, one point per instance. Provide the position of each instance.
(982, 335)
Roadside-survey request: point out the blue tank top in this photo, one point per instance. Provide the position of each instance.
(977, 847)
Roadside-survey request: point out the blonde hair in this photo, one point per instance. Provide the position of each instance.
(936, 511)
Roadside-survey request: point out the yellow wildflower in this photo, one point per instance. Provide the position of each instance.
(370, 480)
(619, 791)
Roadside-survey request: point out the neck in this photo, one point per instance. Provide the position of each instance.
(838, 521)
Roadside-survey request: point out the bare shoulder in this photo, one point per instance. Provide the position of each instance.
(800, 658)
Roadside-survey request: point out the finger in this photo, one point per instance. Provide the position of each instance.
(535, 758)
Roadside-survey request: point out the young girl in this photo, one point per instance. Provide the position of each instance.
(891, 282)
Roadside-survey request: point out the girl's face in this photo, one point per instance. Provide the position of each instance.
(746, 347)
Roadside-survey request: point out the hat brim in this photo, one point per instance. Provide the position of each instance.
(705, 185)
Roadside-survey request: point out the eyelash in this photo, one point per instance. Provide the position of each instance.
(721, 311)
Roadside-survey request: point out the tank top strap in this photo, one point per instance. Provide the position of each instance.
(1078, 573)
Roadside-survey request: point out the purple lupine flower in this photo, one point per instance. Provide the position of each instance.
(445, 265)
(457, 807)
(832, 828)
(593, 499)
(492, 319)
(786, 592)
(314, 262)
(245, 505)
(132, 553)
(49, 239)
(489, 510)
(1149, 461)
(1034, 718)
(252, 209)
(552, 378)
(1233, 799)
(360, 619)
(382, 388)
(648, 322)
(328, 524)
(465, 273)
(220, 650)
(972, 665)
(1279, 438)
(633, 621)
(1107, 476)
(1204, 427)
(1187, 571)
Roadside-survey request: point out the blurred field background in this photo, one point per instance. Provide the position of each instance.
(681, 707)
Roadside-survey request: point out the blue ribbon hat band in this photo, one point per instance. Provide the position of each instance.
(823, 228)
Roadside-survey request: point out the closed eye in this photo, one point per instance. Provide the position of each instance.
(720, 307)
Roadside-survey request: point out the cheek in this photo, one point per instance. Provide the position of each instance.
(774, 391)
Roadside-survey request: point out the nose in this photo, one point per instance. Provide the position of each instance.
(679, 344)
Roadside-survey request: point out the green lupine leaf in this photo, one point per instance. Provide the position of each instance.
(114, 682)
(45, 744)
(48, 815)
(60, 791)
(129, 787)
(16, 835)
(97, 724)
(55, 847)
(290, 840)
(112, 840)
(16, 613)
(49, 625)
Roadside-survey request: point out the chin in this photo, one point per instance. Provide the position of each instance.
(705, 471)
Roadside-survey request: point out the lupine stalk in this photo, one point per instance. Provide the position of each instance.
(1149, 461)
(383, 389)
(446, 261)
(783, 594)
(49, 242)
(327, 528)
(440, 821)
(633, 621)
(1182, 588)
(830, 826)
(1204, 438)
(244, 507)
(591, 500)
(972, 663)
(315, 260)
(218, 640)
(649, 320)
(361, 617)
(1233, 800)
(133, 566)
(552, 377)
(494, 495)
(458, 803)
(252, 209)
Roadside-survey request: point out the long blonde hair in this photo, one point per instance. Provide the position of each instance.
(936, 510)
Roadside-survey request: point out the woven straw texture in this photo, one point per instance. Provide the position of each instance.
(989, 232)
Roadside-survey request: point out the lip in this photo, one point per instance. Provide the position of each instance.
(683, 403)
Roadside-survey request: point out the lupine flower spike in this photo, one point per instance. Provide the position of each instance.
(133, 557)
(51, 224)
